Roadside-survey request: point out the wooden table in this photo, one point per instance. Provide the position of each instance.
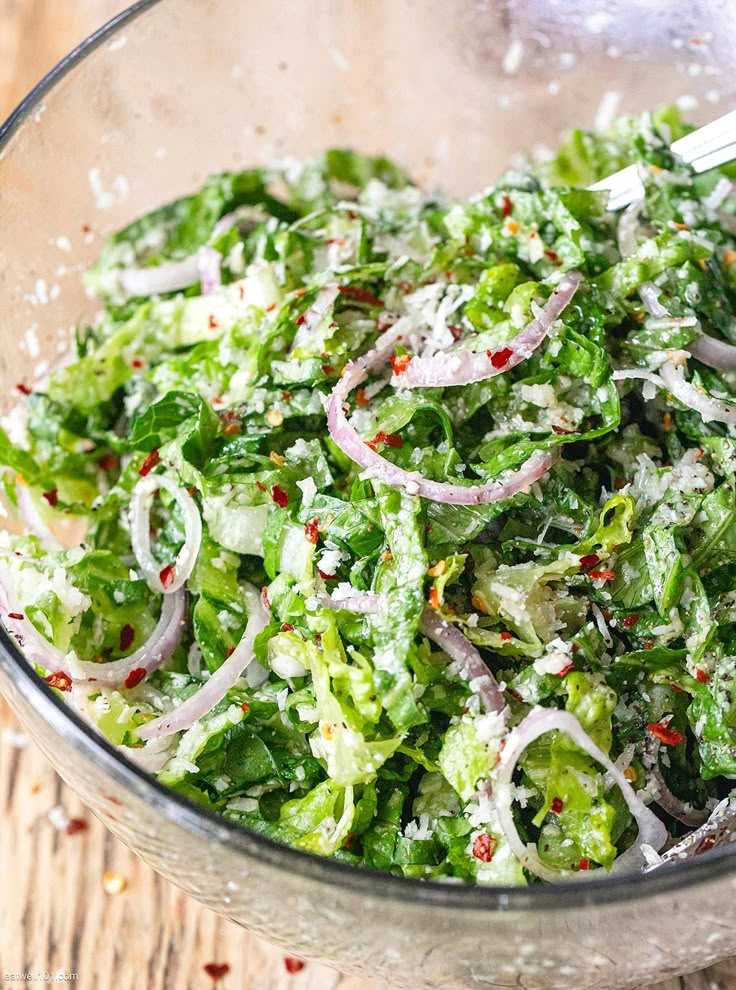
(61, 909)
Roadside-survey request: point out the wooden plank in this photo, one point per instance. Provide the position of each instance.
(56, 914)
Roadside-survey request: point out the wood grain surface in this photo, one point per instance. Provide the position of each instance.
(61, 912)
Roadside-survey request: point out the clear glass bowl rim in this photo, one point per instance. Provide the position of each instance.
(205, 824)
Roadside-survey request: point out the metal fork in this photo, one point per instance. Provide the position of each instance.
(707, 147)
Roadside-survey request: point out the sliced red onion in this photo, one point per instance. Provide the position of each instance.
(155, 280)
(667, 801)
(690, 396)
(467, 661)
(462, 367)
(537, 723)
(149, 657)
(171, 276)
(140, 532)
(719, 829)
(35, 646)
(714, 353)
(209, 263)
(224, 678)
(32, 517)
(412, 482)
(671, 380)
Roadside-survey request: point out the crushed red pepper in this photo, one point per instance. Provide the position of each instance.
(166, 576)
(216, 971)
(279, 496)
(135, 677)
(499, 359)
(127, 636)
(149, 463)
(484, 847)
(670, 737)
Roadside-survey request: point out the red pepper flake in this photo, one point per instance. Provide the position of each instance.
(229, 652)
(378, 438)
(212, 322)
(557, 806)
(232, 430)
(565, 670)
(670, 737)
(602, 575)
(588, 561)
(52, 497)
(629, 621)
(23, 388)
(293, 965)
(279, 496)
(287, 627)
(216, 971)
(16, 615)
(265, 601)
(60, 681)
(350, 839)
(301, 320)
(75, 825)
(327, 577)
(108, 462)
(271, 308)
(434, 598)
(361, 399)
(86, 229)
(150, 463)
(166, 575)
(285, 395)
(400, 362)
(508, 207)
(552, 255)
(702, 676)
(135, 677)
(311, 530)
(260, 486)
(246, 707)
(506, 636)
(389, 439)
(456, 332)
(127, 637)
(484, 847)
(360, 295)
(561, 431)
(584, 864)
(327, 369)
(136, 363)
(499, 359)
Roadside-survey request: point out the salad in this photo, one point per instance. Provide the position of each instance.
(402, 528)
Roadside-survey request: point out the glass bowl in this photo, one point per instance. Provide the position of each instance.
(141, 112)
